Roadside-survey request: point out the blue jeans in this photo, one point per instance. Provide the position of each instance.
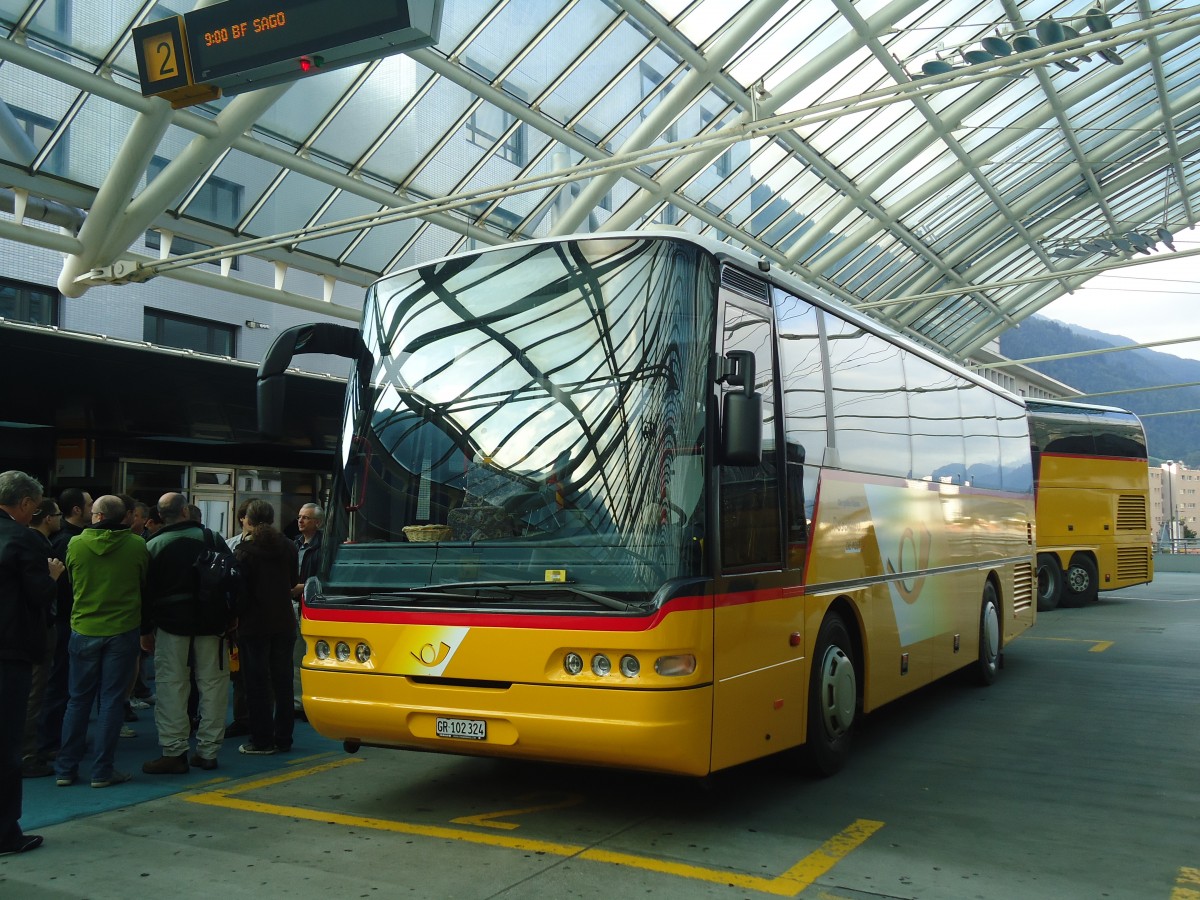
(101, 665)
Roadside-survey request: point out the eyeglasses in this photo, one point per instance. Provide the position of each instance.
(53, 515)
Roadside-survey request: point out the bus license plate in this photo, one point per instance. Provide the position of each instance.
(468, 729)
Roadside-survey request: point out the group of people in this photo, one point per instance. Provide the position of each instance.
(87, 587)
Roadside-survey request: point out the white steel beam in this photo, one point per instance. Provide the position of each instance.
(678, 172)
(698, 79)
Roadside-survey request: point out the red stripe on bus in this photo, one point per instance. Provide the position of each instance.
(536, 620)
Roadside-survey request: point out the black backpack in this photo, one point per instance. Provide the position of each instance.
(219, 588)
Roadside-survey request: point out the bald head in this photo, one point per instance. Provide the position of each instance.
(172, 508)
(108, 507)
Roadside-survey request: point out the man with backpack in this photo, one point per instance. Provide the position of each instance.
(185, 628)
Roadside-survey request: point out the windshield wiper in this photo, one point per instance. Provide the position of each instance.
(602, 599)
(458, 589)
(507, 586)
(414, 592)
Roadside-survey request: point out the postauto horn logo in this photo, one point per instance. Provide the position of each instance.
(432, 647)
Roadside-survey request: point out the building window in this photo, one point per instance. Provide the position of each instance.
(31, 303)
(724, 163)
(606, 202)
(653, 86)
(57, 14)
(488, 123)
(181, 246)
(219, 201)
(188, 333)
(39, 128)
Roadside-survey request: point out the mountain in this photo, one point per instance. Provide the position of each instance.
(1169, 437)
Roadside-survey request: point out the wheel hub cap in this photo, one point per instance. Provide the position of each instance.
(839, 691)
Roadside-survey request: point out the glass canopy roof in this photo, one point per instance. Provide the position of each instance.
(950, 166)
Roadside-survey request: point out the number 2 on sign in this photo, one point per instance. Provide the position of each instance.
(161, 56)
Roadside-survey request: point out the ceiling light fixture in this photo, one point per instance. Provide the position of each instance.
(1043, 33)
(1143, 239)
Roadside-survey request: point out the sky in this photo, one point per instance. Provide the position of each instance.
(1154, 302)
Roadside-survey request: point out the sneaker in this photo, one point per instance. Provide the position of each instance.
(23, 844)
(255, 750)
(65, 780)
(167, 765)
(114, 778)
(127, 732)
(283, 746)
(138, 703)
(236, 729)
(202, 762)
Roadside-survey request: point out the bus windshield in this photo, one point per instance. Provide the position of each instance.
(533, 425)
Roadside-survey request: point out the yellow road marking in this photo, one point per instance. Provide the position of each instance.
(1187, 875)
(789, 884)
(1097, 646)
(304, 760)
(487, 820)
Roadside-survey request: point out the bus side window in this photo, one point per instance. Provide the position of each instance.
(935, 422)
(981, 436)
(805, 423)
(749, 495)
(870, 407)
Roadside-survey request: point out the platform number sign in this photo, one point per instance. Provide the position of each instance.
(162, 57)
(161, 51)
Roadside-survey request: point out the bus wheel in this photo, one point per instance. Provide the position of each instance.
(1049, 582)
(1082, 582)
(989, 637)
(832, 698)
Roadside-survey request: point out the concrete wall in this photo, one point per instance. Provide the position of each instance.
(1177, 562)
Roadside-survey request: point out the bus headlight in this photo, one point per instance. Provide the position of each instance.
(573, 663)
(362, 653)
(683, 664)
(322, 649)
(601, 665)
(630, 667)
(342, 650)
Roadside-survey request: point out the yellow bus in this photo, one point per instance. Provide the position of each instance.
(1092, 480)
(640, 501)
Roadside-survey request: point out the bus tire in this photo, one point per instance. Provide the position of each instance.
(1081, 582)
(988, 664)
(832, 698)
(1049, 582)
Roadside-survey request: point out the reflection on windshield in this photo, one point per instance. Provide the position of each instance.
(535, 414)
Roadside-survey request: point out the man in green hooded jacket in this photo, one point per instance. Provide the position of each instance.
(107, 564)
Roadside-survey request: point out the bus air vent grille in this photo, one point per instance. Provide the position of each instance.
(1022, 586)
(1133, 564)
(1131, 513)
(745, 284)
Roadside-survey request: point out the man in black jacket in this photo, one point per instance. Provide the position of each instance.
(76, 508)
(182, 634)
(46, 522)
(27, 579)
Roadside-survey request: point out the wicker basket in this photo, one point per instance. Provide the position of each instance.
(424, 534)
